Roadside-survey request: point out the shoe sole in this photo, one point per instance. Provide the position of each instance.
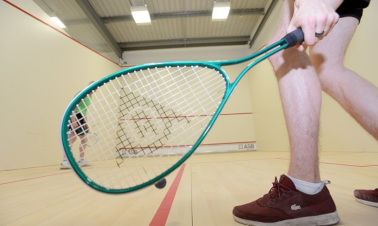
(65, 167)
(325, 219)
(85, 165)
(374, 204)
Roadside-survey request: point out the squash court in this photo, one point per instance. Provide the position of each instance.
(43, 67)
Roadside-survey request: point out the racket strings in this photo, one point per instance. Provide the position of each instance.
(167, 116)
(164, 115)
(147, 120)
(157, 144)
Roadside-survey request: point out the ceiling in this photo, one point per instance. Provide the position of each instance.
(107, 26)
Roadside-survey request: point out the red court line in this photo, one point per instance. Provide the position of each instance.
(162, 213)
(186, 145)
(182, 116)
(29, 14)
(32, 178)
(205, 162)
(337, 164)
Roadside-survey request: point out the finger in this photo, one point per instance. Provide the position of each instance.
(309, 37)
(332, 21)
(320, 24)
(319, 35)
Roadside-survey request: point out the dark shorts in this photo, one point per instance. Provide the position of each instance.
(81, 125)
(352, 8)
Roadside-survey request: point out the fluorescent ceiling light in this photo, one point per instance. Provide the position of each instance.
(140, 14)
(221, 10)
(58, 22)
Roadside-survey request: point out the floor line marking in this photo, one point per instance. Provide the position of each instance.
(205, 162)
(161, 215)
(32, 178)
(337, 164)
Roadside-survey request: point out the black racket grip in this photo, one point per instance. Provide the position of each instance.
(294, 37)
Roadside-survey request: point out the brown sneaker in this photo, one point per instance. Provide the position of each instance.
(368, 197)
(285, 205)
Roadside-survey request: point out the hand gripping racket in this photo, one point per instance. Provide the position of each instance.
(152, 117)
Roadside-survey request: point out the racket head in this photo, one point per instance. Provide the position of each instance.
(158, 157)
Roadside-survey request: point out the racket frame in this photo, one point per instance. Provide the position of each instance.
(216, 65)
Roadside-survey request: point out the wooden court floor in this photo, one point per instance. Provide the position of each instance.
(201, 193)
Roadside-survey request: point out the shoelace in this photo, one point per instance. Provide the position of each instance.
(276, 190)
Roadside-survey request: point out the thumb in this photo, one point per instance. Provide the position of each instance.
(291, 27)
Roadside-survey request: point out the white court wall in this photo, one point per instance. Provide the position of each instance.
(339, 131)
(235, 124)
(41, 70)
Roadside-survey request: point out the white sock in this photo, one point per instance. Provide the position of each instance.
(307, 187)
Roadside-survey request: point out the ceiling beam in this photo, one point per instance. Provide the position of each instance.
(156, 16)
(99, 25)
(187, 42)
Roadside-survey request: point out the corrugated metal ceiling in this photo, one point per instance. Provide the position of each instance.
(108, 27)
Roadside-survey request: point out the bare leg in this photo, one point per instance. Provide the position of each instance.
(71, 140)
(300, 93)
(71, 135)
(83, 144)
(357, 96)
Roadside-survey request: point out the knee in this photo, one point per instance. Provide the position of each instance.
(330, 75)
(289, 59)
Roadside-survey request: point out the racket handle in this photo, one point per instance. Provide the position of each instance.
(294, 37)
